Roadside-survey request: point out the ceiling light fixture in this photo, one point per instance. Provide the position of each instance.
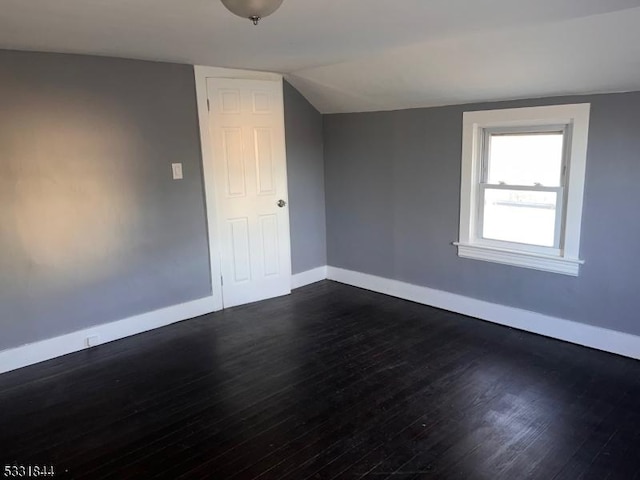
(254, 10)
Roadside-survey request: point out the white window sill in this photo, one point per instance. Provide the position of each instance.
(518, 258)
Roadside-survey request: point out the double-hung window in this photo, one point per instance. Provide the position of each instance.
(522, 186)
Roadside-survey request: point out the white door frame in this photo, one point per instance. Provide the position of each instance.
(201, 74)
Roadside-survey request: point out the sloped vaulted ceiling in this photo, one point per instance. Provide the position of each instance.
(362, 55)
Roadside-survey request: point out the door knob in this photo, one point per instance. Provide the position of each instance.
(281, 203)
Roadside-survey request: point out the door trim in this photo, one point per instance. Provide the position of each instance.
(202, 73)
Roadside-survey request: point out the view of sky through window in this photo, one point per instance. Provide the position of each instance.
(526, 159)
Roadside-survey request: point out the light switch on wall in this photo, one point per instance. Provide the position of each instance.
(177, 171)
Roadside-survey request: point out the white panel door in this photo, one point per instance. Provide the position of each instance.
(246, 121)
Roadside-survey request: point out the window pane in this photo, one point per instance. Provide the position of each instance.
(526, 159)
(520, 216)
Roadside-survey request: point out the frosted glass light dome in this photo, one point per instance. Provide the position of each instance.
(254, 10)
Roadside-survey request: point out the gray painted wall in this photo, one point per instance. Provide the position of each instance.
(393, 196)
(92, 227)
(305, 167)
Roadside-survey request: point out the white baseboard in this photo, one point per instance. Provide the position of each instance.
(567, 330)
(307, 278)
(41, 351)
(37, 352)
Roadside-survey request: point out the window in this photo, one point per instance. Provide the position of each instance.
(522, 186)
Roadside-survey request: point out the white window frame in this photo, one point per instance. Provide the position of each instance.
(564, 257)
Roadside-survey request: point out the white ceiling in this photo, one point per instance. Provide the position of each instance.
(362, 55)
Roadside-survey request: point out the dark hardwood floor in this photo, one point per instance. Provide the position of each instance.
(330, 382)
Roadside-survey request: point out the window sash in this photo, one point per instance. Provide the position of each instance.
(560, 191)
(558, 224)
(530, 130)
